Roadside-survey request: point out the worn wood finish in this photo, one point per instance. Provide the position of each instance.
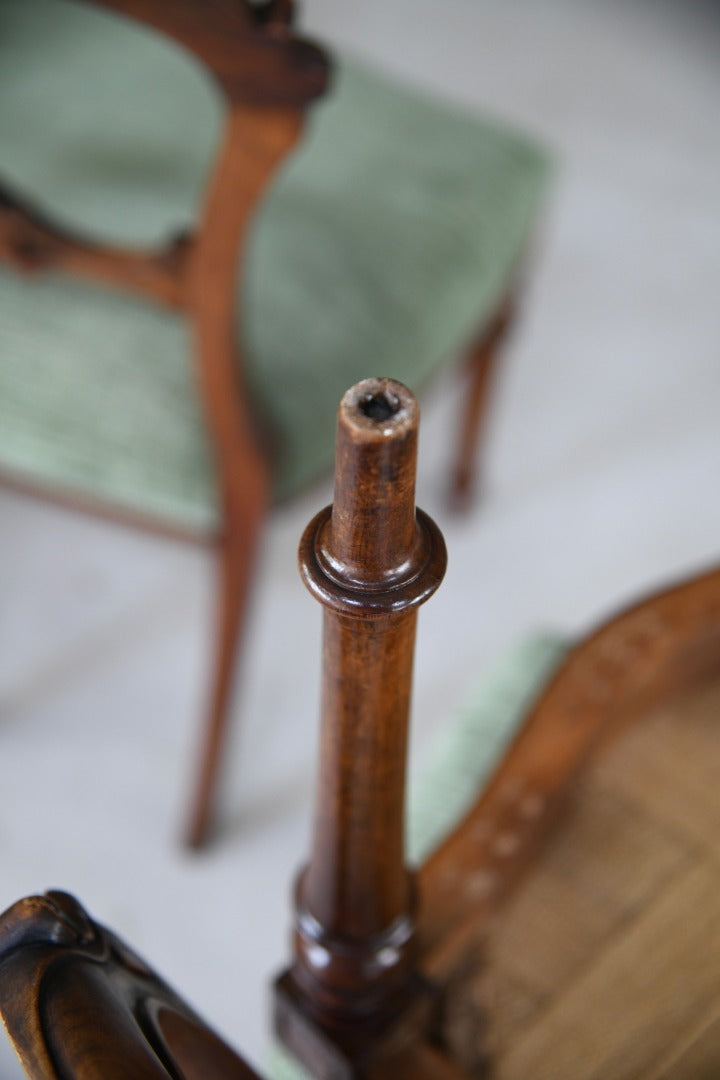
(268, 76)
(371, 560)
(77, 1003)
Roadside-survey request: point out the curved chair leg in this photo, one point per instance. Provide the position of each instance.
(235, 568)
(481, 363)
(256, 140)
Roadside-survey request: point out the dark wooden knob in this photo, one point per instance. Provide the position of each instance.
(372, 552)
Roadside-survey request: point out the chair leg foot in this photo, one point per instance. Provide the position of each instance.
(234, 574)
(481, 363)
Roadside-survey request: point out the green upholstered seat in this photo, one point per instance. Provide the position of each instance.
(386, 240)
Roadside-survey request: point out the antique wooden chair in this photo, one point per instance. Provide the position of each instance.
(567, 927)
(395, 230)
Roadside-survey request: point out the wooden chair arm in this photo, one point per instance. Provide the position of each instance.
(254, 55)
(78, 1003)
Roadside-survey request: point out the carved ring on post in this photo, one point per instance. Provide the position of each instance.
(422, 579)
(371, 552)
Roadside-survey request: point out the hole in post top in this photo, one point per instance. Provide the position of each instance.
(380, 405)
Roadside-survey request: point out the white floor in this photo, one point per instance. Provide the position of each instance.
(602, 473)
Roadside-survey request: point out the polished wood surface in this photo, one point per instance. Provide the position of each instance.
(77, 1003)
(371, 560)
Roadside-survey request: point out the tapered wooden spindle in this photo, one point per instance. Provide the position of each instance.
(371, 559)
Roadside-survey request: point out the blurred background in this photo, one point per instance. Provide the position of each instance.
(601, 476)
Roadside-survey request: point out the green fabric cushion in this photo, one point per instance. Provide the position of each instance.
(385, 242)
(460, 758)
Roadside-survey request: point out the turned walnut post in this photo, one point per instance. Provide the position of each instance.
(371, 559)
